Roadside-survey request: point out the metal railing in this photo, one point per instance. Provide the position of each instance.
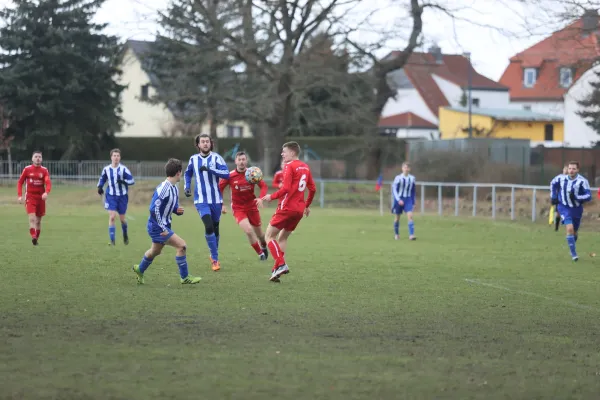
(516, 202)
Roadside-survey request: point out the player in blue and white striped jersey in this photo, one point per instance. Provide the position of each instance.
(165, 202)
(207, 168)
(119, 178)
(569, 192)
(403, 200)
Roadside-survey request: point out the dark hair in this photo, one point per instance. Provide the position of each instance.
(406, 163)
(115, 151)
(172, 167)
(574, 163)
(202, 135)
(295, 147)
(36, 152)
(240, 153)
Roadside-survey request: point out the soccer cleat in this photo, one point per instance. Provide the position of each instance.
(126, 239)
(281, 270)
(216, 265)
(396, 237)
(412, 237)
(34, 241)
(262, 256)
(266, 251)
(190, 280)
(140, 275)
(112, 243)
(576, 258)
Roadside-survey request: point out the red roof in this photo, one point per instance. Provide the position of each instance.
(453, 67)
(405, 120)
(568, 47)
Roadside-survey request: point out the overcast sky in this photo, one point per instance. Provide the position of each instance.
(476, 28)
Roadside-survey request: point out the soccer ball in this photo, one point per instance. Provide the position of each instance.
(254, 175)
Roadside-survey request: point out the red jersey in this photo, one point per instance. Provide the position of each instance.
(296, 179)
(277, 179)
(37, 180)
(242, 192)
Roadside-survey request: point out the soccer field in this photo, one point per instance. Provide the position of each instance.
(474, 309)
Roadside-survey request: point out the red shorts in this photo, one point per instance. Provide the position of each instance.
(35, 205)
(252, 215)
(286, 220)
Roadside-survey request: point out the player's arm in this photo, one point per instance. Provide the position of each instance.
(187, 176)
(102, 181)
(127, 177)
(584, 193)
(223, 184)
(395, 189)
(413, 190)
(264, 188)
(220, 169)
(276, 180)
(554, 188)
(21, 182)
(312, 189)
(162, 198)
(177, 210)
(47, 182)
(287, 184)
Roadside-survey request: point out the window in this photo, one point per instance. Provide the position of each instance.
(566, 77)
(475, 102)
(529, 77)
(144, 92)
(234, 131)
(549, 132)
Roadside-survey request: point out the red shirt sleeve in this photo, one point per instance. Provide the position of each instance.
(287, 183)
(264, 188)
(21, 182)
(312, 189)
(223, 184)
(47, 181)
(277, 179)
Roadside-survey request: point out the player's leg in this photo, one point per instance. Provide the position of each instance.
(283, 239)
(397, 211)
(39, 214)
(32, 227)
(209, 233)
(576, 224)
(248, 229)
(279, 266)
(122, 210)
(181, 259)
(411, 225)
(215, 213)
(256, 223)
(149, 256)
(570, 230)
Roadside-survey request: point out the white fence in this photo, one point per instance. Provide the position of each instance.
(517, 202)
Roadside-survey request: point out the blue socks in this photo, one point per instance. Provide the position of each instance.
(146, 263)
(411, 227)
(396, 226)
(183, 267)
(124, 228)
(212, 242)
(571, 241)
(111, 233)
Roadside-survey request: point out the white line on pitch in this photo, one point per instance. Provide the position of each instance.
(566, 302)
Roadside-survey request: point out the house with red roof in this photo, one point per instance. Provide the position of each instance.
(551, 76)
(428, 82)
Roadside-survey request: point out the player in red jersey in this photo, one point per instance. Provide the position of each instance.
(38, 186)
(278, 177)
(243, 205)
(291, 208)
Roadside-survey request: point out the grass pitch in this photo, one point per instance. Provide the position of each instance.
(474, 309)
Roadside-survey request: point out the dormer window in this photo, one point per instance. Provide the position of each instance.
(529, 77)
(566, 77)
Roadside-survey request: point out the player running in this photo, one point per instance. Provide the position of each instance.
(292, 206)
(38, 186)
(404, 189)
(207, 168)
(244, 207)
(569, 192)
(278, 177)
(165, 202)
(119, 179)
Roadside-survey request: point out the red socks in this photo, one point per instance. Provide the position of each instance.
(32, 233)
(257, 248)
(276, 252)
(37, 233)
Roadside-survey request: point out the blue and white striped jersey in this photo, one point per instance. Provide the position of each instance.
(404, 187)
(118, 180)
(571, 193)
(165, 201)
(207, 182)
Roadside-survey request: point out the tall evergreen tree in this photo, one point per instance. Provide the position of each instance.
(590, 105)
(58, 77)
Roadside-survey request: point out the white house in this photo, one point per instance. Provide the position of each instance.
(143, 119)
(432, 80)
(551, 76)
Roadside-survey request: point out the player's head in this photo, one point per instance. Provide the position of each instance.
(290, 151)
(36, 158)
(406, 168)
(573, 168)
(566, 169)
(173, 169)
(204, 143)
(115, 156)
(241, 161)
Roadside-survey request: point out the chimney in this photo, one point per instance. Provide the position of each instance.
(590, 22)
(436, 51)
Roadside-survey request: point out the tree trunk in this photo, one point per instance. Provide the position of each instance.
(9, 156)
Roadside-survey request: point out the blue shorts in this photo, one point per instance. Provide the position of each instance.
(214, 210)
(116, 203)
(154, 231)
(570, 216)
(407, 207)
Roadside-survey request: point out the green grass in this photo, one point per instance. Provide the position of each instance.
(361, 316)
